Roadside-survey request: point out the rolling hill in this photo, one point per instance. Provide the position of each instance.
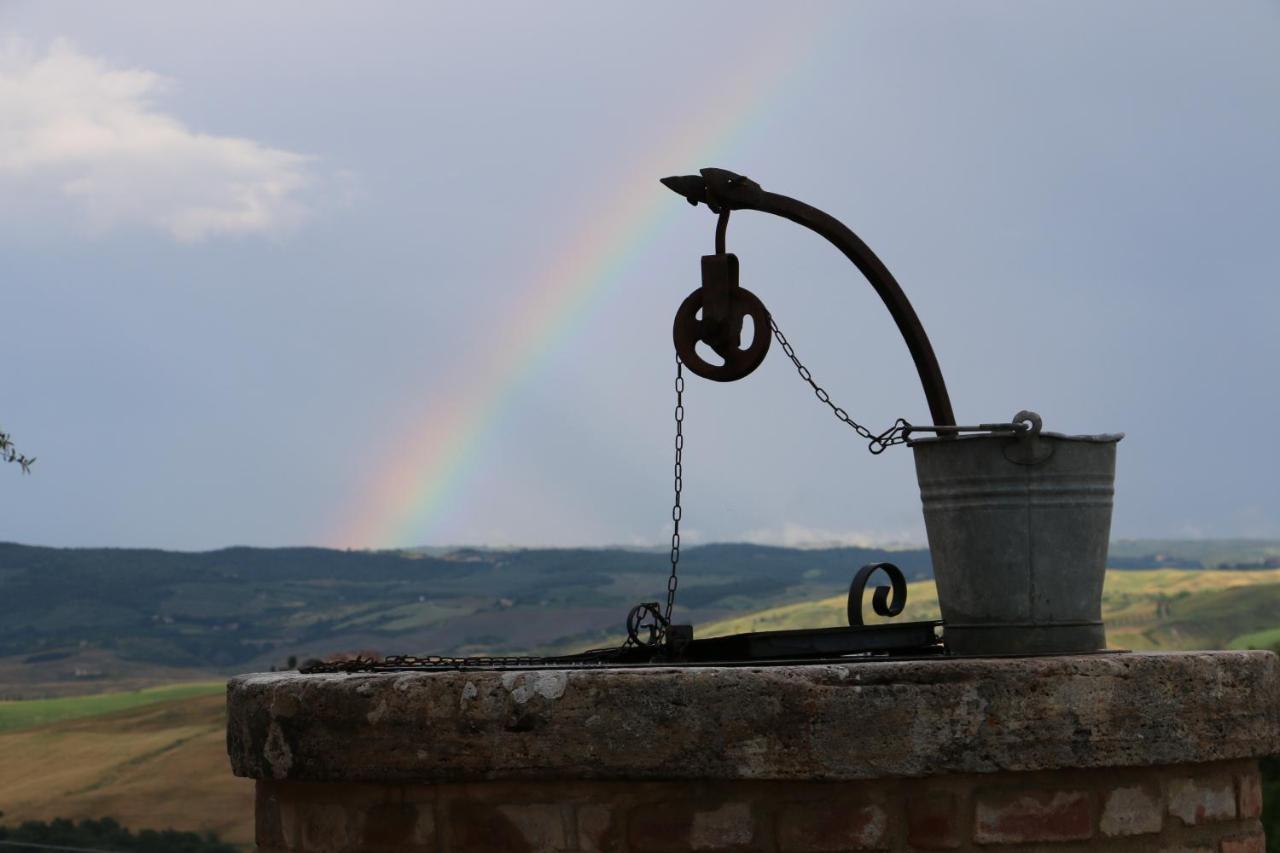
(75, 621)
(1168, 609)
(79, 620)
(158, 765)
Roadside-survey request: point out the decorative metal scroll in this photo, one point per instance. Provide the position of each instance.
(881, 603)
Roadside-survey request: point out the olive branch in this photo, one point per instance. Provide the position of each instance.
(9, 453)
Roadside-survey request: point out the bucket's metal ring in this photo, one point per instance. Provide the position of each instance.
(1028, 448)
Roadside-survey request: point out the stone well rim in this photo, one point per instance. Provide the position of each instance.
(829, 721)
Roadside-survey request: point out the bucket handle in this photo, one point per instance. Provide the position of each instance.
(1023, 423)
(1023, 448)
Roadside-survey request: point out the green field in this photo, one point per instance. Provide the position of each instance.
(38, 712)
(157, 765)
(1174, 609)
(1269, 639)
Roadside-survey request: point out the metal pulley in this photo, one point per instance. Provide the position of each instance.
(713, 314)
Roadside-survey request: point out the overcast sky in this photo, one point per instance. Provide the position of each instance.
(260, 260)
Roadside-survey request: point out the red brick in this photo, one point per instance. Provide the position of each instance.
(397, 827)
(267, 831)
(1018, 817)
(542, 825)
(480, 826)
(1132, 810)
(682, 826)
(1250, 794)
(1199, 799)
(1244, 844)
(933, 821)
(319, 827)
(828, 825)
(597, 829)
(352, 795)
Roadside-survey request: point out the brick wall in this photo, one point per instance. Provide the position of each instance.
(1205, 808)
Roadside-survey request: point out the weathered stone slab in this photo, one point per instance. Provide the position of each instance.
(813, 722)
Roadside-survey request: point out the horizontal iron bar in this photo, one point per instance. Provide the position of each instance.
(917, 637)
(943, 428)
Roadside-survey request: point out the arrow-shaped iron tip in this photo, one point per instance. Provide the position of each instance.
(693, 188)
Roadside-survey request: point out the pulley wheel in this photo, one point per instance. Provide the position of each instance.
(738, 362)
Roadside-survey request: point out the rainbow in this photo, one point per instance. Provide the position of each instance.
(407, 493)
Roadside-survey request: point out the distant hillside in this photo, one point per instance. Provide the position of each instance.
(73, 619)
(92, 619)
(1167, 609)
(1194, 554)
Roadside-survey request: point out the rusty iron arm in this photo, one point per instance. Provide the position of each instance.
(723, 191)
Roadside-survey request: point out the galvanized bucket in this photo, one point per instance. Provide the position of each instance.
(1018, 529)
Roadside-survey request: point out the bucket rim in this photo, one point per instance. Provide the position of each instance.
(1099, 438)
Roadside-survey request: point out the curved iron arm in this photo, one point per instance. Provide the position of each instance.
(722, 191)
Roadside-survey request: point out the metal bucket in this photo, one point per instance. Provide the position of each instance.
(1018, 530)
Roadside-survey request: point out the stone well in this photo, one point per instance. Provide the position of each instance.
(1118, 752)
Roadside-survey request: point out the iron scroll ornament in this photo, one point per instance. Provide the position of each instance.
(881, 603)
(724, 191)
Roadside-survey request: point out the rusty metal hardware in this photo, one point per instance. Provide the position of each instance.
(724, 191)
(595, 657)
(677, 511)
(678, 641)
(880, 601)
(645, 617)
(877, 443)
(839, 645)
(1012, 427)
(900, 432)
(713, 314)
(908, 640)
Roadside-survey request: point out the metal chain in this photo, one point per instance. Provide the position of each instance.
(676, 510)
(593, 657)
(877, 444)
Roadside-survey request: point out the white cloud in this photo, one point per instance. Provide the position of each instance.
(76, 133)
(799, 536)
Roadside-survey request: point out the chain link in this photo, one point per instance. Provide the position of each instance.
(593, 657)
(877, 444)
(678, 477)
